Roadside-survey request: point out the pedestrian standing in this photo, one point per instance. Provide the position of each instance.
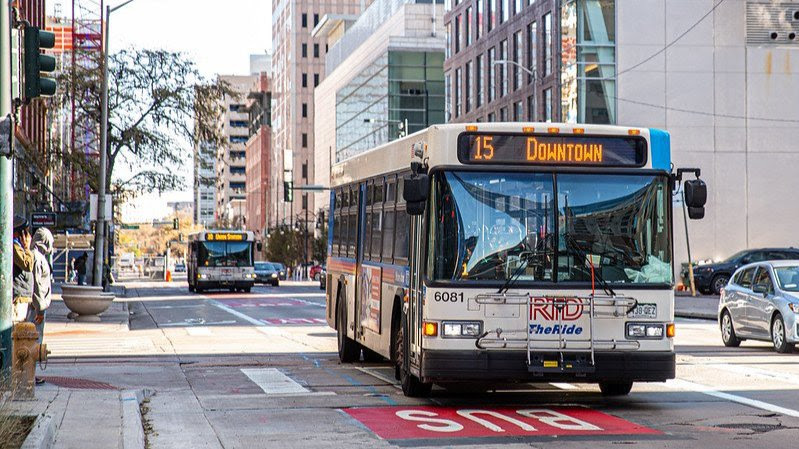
(80, 267)
(22, 274)
(42, 246)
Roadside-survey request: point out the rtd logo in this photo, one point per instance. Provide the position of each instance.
(556, 309)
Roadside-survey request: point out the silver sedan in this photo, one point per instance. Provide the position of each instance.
(761, 302)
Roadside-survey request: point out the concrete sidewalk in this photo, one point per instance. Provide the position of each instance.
(700, 306)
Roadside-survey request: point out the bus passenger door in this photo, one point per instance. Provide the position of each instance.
(360, 302)
(415, 297)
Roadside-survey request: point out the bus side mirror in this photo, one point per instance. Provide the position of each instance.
(415, 192)
(695, 198)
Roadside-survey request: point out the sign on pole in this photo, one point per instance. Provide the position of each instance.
(93, 207)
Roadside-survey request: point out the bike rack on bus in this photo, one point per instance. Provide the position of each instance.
(599, 307)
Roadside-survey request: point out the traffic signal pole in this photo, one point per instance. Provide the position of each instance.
(99, 225)
(6, 197)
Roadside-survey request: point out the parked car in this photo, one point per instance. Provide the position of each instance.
(323, 279)
(281, 270)
(711, 278)
(180, 267)
(267, 273)
(761, 302)
(315, 271)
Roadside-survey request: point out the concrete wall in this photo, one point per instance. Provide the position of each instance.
(731, 110)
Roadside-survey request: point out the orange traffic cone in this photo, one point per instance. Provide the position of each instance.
(168, 276)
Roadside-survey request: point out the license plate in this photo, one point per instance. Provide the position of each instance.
(644, 311)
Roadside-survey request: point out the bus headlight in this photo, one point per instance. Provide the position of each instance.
(465, 329)
(202, 276)
(645, 330)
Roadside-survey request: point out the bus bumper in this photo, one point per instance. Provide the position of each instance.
(454, 366)
(224, 284)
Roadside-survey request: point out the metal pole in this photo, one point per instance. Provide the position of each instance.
(6, 198)
(99, 226)
(305, 231)
(688, 245)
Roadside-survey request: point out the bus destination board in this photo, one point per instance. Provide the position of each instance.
(225, 237)
(547, 149)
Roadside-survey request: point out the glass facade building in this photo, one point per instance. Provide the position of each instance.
(397, 86)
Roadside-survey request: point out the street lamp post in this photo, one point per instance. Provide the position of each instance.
(99, 226)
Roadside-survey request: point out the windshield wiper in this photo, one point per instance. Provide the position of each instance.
(605, 286)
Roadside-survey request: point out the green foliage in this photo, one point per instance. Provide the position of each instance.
(284, 245)
(319, 246)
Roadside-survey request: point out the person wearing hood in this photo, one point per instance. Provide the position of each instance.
(42, 246)
(22, 281)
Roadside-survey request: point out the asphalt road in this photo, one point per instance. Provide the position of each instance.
(259, 371)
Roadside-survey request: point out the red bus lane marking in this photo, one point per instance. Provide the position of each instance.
(399, 423)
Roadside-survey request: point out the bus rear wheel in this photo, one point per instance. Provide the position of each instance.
(615, 388)
(349, 351)
(412, 387)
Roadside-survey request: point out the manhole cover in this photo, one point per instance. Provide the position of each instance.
(756, 428)
(78, 384)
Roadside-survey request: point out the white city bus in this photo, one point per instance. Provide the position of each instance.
(221, 259)
(508, 252)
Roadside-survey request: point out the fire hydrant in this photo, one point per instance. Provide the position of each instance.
(26, 352)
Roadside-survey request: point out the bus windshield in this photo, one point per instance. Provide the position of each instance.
(225, 254)
(490, 226)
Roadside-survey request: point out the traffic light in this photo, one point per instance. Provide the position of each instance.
(175, 224)
(288, 191)
(35, 63)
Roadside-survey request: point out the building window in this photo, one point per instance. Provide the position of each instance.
(315, 50)
(315, 20)
(548, 105)
(478, 18)
(503, 68)
(505, 11)
(532, 50)
(304, 50)
(467, 26)
(238, 123)
(457, 33)
(478, 81)
(517, 6)
(531, 108)
(448, 49)
(547, 44)
(492, 117)
(467, 86)
(236, 107)
(492, 14)
(304, 140)
(304, 110)
(304, 170)
(588, 87)
(503, 114)
(492, 74)
(304, 80)
(304, 20)
(238, 139)
(448, 97)
(518, 111)
(315, 79)
(457, 92)
(517, 58)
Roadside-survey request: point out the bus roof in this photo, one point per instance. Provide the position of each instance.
(202, 236)
(441, 146)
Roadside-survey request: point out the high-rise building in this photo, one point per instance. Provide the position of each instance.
(204, 184)
(502, 60)
(384, 70)
(231, 185)
(298, 66)
(261, 195)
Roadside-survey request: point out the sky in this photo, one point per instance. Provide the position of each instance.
(218, 35)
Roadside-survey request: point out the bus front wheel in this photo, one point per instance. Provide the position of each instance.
(348, 350)
(615, 388)
(412, 387)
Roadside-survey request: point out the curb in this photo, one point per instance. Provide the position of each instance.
(42, 434)
(132, 429)
(696, 315)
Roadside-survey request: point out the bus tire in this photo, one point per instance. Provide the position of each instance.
(615, 388)
(247, 289)
(412, 387)
(371, 356)
(191, 288)
(349, 351)
(198, 289)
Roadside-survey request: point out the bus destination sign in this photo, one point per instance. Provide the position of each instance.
(547, 149)
(225, 237)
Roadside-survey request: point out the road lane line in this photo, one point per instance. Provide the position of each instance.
(272, 381)
(564, 386)
(680, 384)
(236, 313)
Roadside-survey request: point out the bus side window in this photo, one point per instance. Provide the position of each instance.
(336, 222)
(377, 219)
(367, 229)
(402, 230)
(388, 220)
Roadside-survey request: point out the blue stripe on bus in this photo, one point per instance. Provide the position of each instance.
(660, 143)
(330, 222)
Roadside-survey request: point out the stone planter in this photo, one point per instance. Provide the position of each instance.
(86, 302)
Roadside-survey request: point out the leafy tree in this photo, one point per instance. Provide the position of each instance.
(319, 246)
(158, 108)
(284, 245)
